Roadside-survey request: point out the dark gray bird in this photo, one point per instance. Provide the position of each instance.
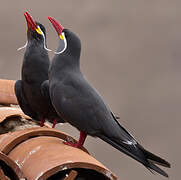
(78, 103)
(32, 91)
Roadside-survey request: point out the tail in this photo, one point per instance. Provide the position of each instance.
(137, 152)
(154, 159)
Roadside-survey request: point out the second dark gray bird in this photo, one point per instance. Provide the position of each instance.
(32, 91)
(78, 103)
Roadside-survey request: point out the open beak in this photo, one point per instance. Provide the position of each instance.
(59, 28)
(30, 22)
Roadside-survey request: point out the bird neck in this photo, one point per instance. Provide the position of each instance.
(34, 43)
(36, 50)
(69, 58)
(65, 62)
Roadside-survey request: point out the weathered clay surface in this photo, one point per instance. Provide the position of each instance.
(7, 92)
(40, 153)
(2, 175)
(8, 112)
(52, 156)
(9, 140)
(14, 167)
(12, 119)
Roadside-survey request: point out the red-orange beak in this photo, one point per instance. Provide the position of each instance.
(59, 28)
(30, 22)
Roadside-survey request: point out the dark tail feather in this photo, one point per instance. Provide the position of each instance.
(121, 148)
(152, 166)
(155, 159)
(138, 153)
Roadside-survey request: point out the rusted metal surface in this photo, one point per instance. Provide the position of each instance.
(7, 95)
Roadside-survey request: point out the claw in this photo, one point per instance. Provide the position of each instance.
(80, 143)
(42, 122)
(54, 123)
(77, 145)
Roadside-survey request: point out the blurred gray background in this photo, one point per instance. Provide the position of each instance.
(130, 53)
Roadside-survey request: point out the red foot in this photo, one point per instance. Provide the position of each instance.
(80, 143)
(54, 123)
(42, 122)
(73, 144)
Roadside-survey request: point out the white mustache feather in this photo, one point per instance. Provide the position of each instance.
(44, 45)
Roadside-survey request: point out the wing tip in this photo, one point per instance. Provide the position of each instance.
(156, 169)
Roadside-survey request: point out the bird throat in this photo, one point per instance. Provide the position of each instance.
(65, 44)
(44, 42)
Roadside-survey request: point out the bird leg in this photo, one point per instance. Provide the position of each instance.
(81, 141)
(42, 122)
(54, 123)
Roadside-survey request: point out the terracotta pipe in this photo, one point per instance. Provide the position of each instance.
(12, 165)
(2, 175)
(7, 95)
(9, 140)
(8, 112)
(41, 153)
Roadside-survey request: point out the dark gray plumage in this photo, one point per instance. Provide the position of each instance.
(84, 108)
(32, 91)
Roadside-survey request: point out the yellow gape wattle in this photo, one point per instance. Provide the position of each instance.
(38, 30)
(61, 36)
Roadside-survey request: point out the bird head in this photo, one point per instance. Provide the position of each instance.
(35, 30)
(72, 44)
